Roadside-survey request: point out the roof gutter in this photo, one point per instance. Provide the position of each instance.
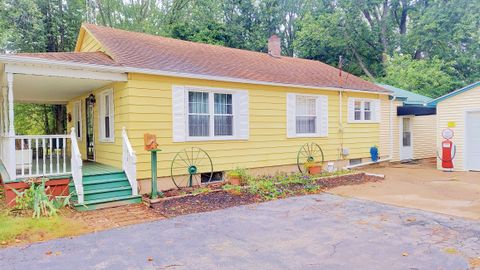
(123, 69)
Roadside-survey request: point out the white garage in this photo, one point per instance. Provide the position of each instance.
(460, 112)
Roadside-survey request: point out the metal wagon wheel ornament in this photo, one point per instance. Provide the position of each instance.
(188, 165)
(309, 152)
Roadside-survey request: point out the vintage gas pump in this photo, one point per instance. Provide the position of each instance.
(448, 150)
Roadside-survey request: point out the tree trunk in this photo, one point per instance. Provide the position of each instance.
(46, 124)
(403, 18)
(360, 63)
(59, 112)
(383, 31)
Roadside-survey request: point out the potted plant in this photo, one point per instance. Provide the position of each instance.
(313, 167)
(235, 177)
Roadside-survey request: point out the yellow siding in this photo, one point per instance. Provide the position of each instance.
(150, 110)
(453, 109)
(423, 136)
(90, 44)
(105, 152)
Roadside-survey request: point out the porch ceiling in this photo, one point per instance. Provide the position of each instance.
(51, 89)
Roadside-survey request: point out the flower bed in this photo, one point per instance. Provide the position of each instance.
(259, 189)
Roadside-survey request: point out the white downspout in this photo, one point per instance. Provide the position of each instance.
(340, 123)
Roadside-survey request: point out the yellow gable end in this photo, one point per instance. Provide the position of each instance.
(87, 42)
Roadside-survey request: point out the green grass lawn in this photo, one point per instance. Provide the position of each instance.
(18, 229)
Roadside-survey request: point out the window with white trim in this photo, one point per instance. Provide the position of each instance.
(363, 110)
(210, 114)
(77, 118)
(106, 116)
(307, 115)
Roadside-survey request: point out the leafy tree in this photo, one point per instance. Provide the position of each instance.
(377, 39)
(429, 77)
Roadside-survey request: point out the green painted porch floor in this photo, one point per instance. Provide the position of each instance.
(89, 168)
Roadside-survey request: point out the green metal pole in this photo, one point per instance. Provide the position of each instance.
(154, 193)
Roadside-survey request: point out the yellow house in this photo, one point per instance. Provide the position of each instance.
(241, 108)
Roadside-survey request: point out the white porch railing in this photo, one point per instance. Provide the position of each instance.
(39, 155)
(27, 156)
(77, 164)
(129, 162)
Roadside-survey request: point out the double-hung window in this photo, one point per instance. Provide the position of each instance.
(210, 114)
(363, 110)
(202, 113)
(223, 114)
(106, 116)
(198, 114)
(77, 119)
(307, 115)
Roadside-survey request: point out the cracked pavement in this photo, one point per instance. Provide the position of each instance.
(310, 232)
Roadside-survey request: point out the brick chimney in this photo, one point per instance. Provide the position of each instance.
(274, 46)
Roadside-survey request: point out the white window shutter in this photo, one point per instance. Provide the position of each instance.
(351, 110)
(376, 110)
(322, 115)
(179, 114)
(291, 111)
(242, 114)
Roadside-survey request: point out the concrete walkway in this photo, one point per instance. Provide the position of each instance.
(422, 186)
(311, 232)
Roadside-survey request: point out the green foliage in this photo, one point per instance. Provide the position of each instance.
(232, 188)
(437, 39)
(238, 172)
(35, 198)
(429, 77)
(310, 164)
(201, 190)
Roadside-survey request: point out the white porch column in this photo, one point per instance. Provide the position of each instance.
(11, 128)
(4, 107)
(9, 159)
(2, 119)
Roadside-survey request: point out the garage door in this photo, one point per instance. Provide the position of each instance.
(473, 141)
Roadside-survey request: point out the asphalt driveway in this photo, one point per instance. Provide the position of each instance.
(311, 232)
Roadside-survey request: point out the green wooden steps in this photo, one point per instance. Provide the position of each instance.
(104, 190)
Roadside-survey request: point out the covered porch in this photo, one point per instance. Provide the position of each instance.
(58, 156)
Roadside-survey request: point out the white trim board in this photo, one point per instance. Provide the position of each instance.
(32, 60)
(62, 72)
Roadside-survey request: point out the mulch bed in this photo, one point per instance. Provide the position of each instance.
(202, 203)
(182, 202)
(347, 180)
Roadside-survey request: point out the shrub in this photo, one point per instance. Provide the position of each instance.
(238, 172)
(35, 198)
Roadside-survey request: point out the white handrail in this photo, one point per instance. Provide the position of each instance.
(37, 155)
(129, 163)
(77, 167)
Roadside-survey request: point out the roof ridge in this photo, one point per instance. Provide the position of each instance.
(154, 52)
(197, 43)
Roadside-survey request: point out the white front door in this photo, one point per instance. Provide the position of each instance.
(406, 148)
(472, 156)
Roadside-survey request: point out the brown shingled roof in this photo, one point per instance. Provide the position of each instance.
(149, 52)
(131, 49)
(95, 58)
